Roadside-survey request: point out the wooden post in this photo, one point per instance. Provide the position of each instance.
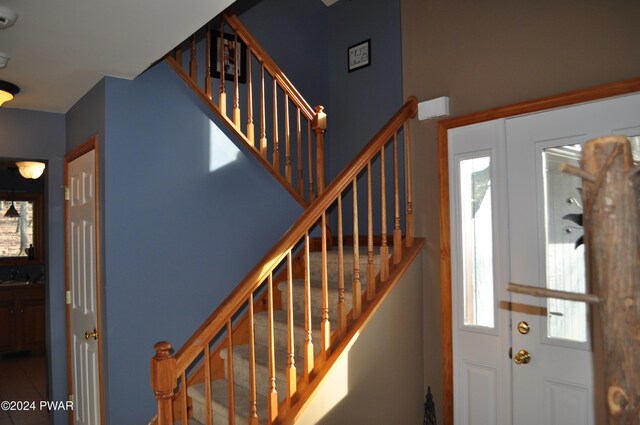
(163, 381)
(612, 246)
(319, 127)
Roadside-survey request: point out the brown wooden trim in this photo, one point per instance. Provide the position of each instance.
(91, 144)
(566, 99)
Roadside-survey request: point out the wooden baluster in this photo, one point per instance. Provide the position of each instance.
(236, 84)
(207, 79)
(178, 52)
(287, 141)
(371, 268)
(408, 185)
(276, 148)
(232, 402)
(325, 326)
(308, 340)
(223, 94)
(300, 178)
(253, 399)
(356, 290)
(312, 195)
(263, 123)
(192, 60)
(291, 363)
(272, 398)
(342, 307)
(320, 126)
(163, 381)
(397, 232)
(384, 248)
(207, 389)
(184, 405)
(250, 126)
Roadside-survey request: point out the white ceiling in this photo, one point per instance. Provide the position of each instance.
(60, 49)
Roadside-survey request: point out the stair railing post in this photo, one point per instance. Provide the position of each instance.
(164, 380)
(319, 127)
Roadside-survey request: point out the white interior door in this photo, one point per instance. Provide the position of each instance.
(83, 303)
(508, 203)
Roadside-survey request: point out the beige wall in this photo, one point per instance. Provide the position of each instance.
(490, 53)
(378, 380)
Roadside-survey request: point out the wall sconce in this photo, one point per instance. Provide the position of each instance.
(30, 169)
(7, 91)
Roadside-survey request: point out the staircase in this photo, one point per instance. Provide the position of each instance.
(261, 355)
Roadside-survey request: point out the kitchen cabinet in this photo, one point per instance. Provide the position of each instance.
(22, 317)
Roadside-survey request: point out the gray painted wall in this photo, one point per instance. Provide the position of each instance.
(41, 135)
(494, 53)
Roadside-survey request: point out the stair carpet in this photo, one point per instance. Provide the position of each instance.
(219, 388)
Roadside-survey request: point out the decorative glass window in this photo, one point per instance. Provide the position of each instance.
(477, 241)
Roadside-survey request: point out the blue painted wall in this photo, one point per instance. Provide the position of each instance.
(41, 135)
(187, 214)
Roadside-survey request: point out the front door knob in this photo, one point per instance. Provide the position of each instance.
(88, 335)
(523, 357)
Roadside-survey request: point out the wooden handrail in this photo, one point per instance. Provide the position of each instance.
(270, 64)
(167, 369)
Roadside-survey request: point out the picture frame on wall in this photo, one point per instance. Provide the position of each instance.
(359, 55)
(234, 53)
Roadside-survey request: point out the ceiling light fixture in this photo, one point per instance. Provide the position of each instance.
(30, 169)
(7, 91)
(4, 59)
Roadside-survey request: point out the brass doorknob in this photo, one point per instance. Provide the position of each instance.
(88, 335)
(523, 357)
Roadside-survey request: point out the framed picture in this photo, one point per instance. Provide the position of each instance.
(359, 55)
(233, 55)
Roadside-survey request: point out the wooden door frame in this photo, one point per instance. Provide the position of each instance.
(565, 99)
(89, 145)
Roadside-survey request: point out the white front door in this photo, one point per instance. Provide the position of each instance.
(82, 297)
(525, 237)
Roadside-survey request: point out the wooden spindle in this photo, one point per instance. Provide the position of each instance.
(291, 363)
(408, 185)
(207, 79)
(384, 248)
(308, 339)
(371, 268)
(236, 84)
(253, 399)
(299, 133)
(223, 94)
(325, 326)
(163, 381)
(263, 123)
(287, 141)
(184, 403)
(320, 126)
(207, 389)
(397, 232)
(276, 147)
(250, 125)
(192, 59)
(356, 290)
(178, 53)
(342, 307)
(312, 195)
(272, 397)
(232, 403)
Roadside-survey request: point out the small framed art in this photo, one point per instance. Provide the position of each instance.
(233, 53)
(359, 55)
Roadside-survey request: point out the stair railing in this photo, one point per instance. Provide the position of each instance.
(196, 361)
(284, 117)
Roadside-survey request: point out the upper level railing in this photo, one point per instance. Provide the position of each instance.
(285, 133)
(380, 162)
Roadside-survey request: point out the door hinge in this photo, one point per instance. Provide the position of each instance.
(70, 397)
(67, 193)
(67, 297)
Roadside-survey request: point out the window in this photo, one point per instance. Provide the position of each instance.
(21, 237)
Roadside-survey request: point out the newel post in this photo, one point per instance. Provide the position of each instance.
(319, 127)
(163, 380)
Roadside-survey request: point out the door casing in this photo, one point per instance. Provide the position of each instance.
(565, 99)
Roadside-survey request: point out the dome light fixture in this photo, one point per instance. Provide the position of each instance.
(7, 91)
(30, 169)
